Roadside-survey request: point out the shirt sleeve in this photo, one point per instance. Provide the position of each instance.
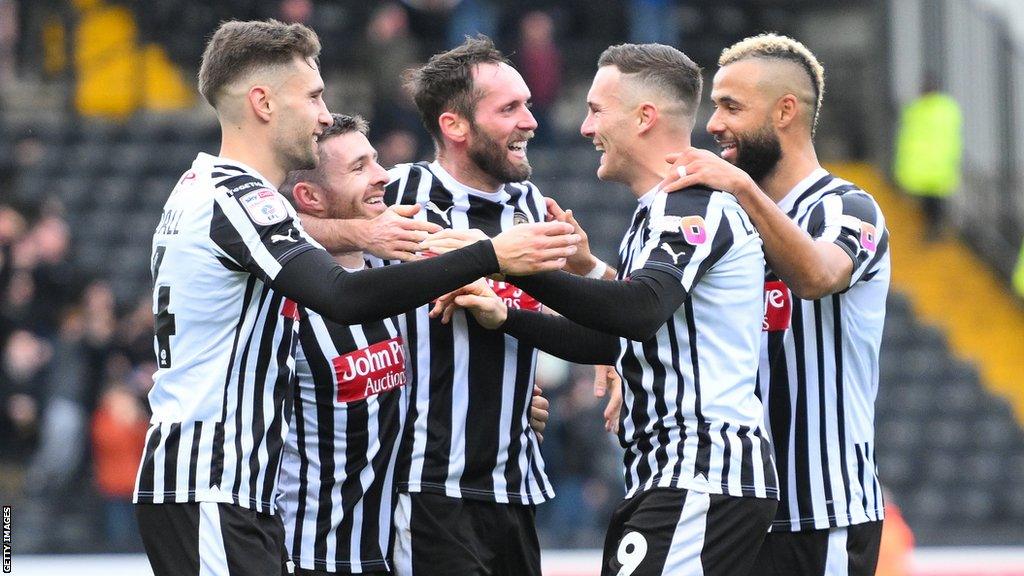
(854, 222)
(688, 233)
(256, 228)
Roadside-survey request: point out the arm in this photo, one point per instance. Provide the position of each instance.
(393, 235)
(652, 297)
(552, 334)
(313, 279)
(812, 269)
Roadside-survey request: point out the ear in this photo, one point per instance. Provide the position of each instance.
(646, 117)
(309, 198)
(453, 126)
(259, 100)
(786, 111)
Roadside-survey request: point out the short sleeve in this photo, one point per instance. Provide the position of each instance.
(256, 228)
(854, 222)
(688, 234)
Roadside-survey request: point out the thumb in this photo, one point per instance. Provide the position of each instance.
(407, 210)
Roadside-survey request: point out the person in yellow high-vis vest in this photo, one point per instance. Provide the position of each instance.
(928, 149)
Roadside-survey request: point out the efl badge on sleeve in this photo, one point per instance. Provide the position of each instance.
(694, 230)
(868, 237)
(264, 206)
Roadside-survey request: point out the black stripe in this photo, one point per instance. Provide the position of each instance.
(171, 446)
(768, 472)
(673, 344)
(515, 476)
(299, 426)
(217, 455)
(282, 402)
(747, 460)
(800, 465)
(826, 470)
(720, 244)
(240, 429)
(860, 475)
(147, 477)
(837, 344)
(726, 455)
(650, 349)
(193, 461)
(703, 463)
(808, 193)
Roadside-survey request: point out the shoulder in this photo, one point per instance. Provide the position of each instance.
(851, 200)
(692, 201)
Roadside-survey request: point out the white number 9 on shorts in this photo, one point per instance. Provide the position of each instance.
(632, 550)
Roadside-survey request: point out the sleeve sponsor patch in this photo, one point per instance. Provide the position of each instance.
(264, 206)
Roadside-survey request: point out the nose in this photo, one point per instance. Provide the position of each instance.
(380, 175)
(527, 122)
(715, 125)
(587, 128)
(324, 117)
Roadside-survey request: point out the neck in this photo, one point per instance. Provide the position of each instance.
(796, 163)
(236, 143)
(649, 163)
(350, 260)
(466, 172)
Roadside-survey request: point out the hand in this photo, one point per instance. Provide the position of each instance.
(394, 235)
(584, 260)
(447, 239)
(539, 413)
(607, 383)
(530, 248)
(486, 307)
(704, 167)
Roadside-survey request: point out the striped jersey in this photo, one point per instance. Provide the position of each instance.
(690, 417)
(467, 432)
(819, 365)
(338, 471)
(224, 339)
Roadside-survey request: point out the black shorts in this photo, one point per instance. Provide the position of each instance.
(850, 551)
(440, 536)
(226, 540)
(679, 532)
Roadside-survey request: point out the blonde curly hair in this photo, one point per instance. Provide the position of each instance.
(778, 47)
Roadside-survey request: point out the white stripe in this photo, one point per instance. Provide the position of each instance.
(213, 558)
(837, 560)
(184, 461)
(159, 462)
(403, 536)
(688, 540)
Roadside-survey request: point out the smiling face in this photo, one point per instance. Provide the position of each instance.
(502, 123)
(353, 186)
(742, 121)
(302, 117)
(607, 125)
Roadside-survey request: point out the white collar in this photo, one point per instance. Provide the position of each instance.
(646, 200)
(786, 204)
(452, 184)
(212, 160)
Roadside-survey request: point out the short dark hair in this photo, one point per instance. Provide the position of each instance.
(659, 65)
(343, 124)
(445, 82)
(239, 48)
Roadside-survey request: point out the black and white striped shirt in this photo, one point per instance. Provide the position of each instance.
(820, 363)
(690, 416)
(467, 432)
(224, 340)
(337, 478)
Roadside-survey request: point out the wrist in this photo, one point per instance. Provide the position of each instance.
(598, 270)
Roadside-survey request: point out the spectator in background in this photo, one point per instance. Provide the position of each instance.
(118, 435)
(897, 542)
(8, 39)
(928, 148)
(539, 59)
(397, 134)
(652, 21)
(1018, 274)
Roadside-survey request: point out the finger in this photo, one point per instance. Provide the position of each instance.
(406, 210)
(540, 403)
(673, 157)
(553, 208)
(600, 381)
(540, 438)
(536, 390)
(555, 228)
(449, 311)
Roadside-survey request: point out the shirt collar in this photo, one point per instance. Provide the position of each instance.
(452, 184)
(786, 204)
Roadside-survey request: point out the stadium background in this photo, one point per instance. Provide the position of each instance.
(99, 116)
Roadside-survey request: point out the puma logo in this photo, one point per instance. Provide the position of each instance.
(675, 256)
(278, 237)
(442, 213)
